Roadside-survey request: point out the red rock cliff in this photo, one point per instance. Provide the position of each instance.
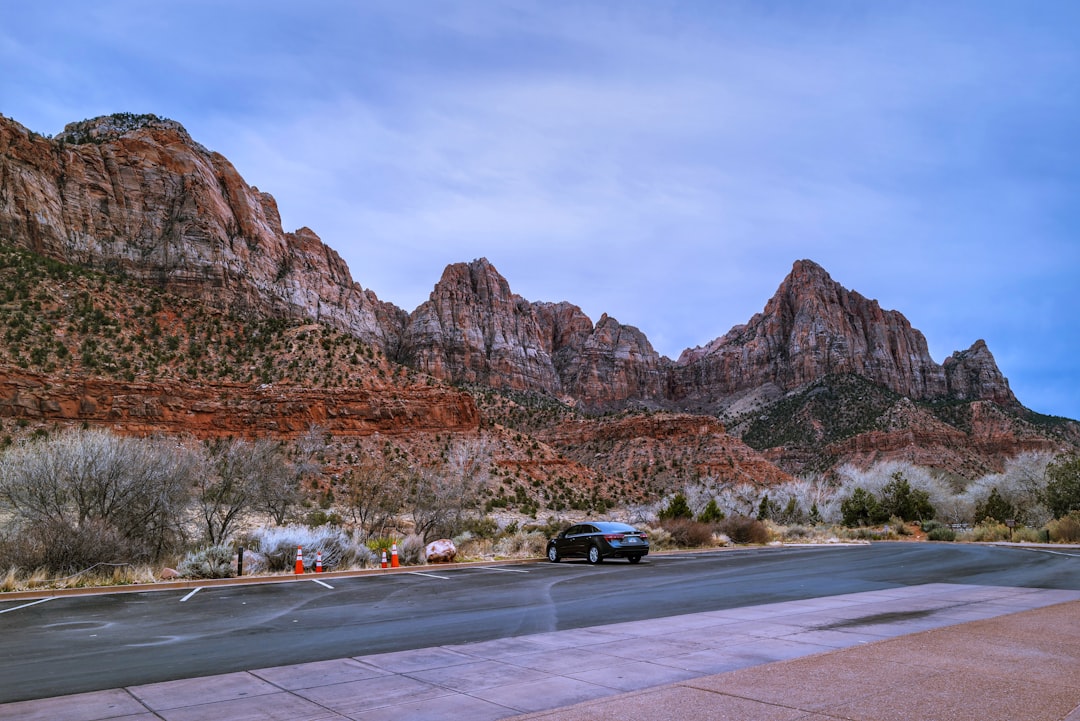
(136, 193)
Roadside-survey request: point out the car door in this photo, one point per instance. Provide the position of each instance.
(572, 542)
(585, 538)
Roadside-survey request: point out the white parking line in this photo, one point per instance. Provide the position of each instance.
(315, 580)
(28, 605)
(193, 592)
(429, 575)
(504, 570)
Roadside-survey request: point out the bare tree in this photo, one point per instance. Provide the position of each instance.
(242, 476)
(375, 494)
(82, 483)
(440, 500)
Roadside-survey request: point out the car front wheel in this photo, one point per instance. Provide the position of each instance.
(553, 554)
(594, 555)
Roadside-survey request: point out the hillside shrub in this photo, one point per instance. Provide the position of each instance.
(686, 533)
(1065, 529)
(660, 538)
(62, 547)
(938, 531)
(744, 530)
(411, 550)
(211, 562)
(279, 543)
(521, 544)
(989, 530)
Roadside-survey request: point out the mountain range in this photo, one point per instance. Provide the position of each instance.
(820, 377)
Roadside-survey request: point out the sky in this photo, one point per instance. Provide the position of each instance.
(662, 162)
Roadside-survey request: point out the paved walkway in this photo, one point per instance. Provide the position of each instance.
(933, 652)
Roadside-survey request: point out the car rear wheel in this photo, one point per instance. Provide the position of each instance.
(595, 555)
(553, 554)
(634, 559)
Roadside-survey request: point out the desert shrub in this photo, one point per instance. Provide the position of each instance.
(1065, 529)
(1027, 534)
(411, 550)
(795, 532)
(989, 530)
(549, 528)
(470, 547)
(521, 545)
(899, 527)
(659, 538)
(279, 543)
(379, 544)
(65, 548)
(865, 533)
(319, 517)
(480, 526)
(211, 562)
(686, 533)
(744, 529)
(938, 531)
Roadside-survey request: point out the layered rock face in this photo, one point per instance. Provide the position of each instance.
(474, 329)
(231, 409)
(137, 194)
(813, 327)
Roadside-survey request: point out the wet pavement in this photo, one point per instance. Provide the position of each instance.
(934, 651)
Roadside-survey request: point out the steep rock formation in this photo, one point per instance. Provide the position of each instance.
(813, 327)
(473, 329)
(137, 194)
(973, 374)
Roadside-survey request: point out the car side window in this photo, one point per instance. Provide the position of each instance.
(573, 530)
(588, 529)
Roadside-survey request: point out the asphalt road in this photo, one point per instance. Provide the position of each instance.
(74, 644)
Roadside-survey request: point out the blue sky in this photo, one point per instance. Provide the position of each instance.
(662, 162)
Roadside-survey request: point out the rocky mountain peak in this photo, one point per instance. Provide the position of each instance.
(107, 128)
(813, 327)
(136, 193)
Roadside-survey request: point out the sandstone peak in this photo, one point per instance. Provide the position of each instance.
(106, 128)
(813, 327)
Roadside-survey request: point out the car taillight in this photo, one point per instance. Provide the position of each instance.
(644, 536)
(613, 537)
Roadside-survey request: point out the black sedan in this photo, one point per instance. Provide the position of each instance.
(598, 540)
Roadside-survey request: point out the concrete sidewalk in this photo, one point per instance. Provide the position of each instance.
(934, 652)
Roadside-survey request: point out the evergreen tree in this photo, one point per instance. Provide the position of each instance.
(711, 513)
(1063, 487)
(677, 507)
(995, 507)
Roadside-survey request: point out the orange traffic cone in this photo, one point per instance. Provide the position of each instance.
(299, 561)
(318, 562)
(393, 556)
(384, 559)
